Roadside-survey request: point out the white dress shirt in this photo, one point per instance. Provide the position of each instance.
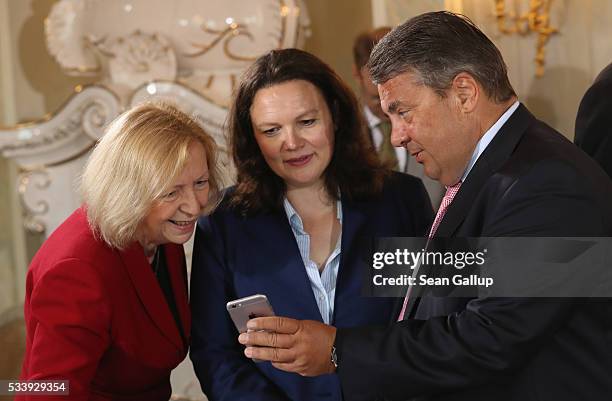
(323, 283)
(488, 137)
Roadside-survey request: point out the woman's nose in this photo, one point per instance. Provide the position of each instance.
(293, 140)
(191, 204)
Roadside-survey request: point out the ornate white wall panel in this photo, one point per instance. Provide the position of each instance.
(51, 153)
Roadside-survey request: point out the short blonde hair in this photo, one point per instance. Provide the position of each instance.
(140, 155)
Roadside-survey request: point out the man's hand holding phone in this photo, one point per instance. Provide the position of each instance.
(301, 346)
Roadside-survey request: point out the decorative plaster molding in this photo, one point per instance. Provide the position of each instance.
(85, 113)
(130, 42)
(41, 180)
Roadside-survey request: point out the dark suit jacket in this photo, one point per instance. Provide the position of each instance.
(97, 317)
(530, 181)
(236, 256)
(594, 121)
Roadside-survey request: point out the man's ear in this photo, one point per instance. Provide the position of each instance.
(466, 90)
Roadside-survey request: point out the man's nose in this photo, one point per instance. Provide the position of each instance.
(398, 135)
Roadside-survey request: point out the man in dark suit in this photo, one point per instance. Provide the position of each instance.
(594, 120)
(445, 87)
(378, 123)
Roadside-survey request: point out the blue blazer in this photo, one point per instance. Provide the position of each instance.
(236, 256)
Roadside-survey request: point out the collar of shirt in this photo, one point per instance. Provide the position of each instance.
(295, 221)
(371, 119)
(488, 137)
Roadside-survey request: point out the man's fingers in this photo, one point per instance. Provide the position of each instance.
(274, 323)
(279, 355)
(266, 339)
(300, 346)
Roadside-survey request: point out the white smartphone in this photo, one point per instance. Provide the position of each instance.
(243, 309)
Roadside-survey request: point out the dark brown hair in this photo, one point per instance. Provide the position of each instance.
(353, 168)
(364, 43)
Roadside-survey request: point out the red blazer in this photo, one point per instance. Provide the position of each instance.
(97, 317)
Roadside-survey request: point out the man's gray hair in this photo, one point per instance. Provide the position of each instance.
(436, 47)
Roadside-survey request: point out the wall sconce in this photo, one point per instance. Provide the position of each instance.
(536, 19)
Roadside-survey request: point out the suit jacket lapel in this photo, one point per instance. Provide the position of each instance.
(494, 156)
(287, 273)
(150, 293)
(353, 218)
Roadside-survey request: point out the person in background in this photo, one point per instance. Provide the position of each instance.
(379, 126)
(106, 303)
(309, 198)
(445, 86)
(594, 121)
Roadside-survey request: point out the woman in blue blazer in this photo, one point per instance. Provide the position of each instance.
(310, 193)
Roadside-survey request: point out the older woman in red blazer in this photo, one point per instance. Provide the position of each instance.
(106, 300)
